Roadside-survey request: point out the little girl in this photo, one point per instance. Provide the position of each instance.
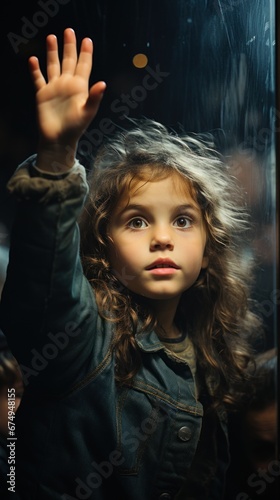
(131, 345)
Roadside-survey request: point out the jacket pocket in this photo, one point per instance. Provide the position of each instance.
(141, 424)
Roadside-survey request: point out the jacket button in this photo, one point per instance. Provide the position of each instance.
(165, 496)
(184, 434)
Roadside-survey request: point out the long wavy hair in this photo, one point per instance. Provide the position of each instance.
(216, 309)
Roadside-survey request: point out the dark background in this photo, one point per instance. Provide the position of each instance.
(215, 67)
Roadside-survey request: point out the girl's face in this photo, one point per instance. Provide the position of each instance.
(157, 239)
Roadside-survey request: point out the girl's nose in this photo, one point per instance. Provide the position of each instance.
(162, 239)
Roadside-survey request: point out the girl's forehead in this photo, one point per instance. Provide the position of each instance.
(171, 186)
(175, 182)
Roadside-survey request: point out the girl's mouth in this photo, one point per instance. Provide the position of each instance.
(162, 264)
(162, 267)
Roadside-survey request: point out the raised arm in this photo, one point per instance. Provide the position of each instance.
(65, 104)
(48, 311)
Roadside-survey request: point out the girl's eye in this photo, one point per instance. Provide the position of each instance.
(137, 223)
(183, 222)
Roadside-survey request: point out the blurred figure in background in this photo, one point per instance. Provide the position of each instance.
(255, 467)
(10, 378)
(4, 254)
(253, 173)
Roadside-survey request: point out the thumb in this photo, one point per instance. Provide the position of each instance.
(94, 99)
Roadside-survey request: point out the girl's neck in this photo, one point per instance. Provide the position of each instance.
(168, 333)
(165, 312)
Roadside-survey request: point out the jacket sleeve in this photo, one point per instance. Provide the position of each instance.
(48, 310)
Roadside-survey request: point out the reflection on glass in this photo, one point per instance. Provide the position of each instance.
(206, 66)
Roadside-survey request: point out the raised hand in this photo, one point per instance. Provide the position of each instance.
(65, 104)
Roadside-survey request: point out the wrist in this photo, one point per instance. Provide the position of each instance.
(56, 158)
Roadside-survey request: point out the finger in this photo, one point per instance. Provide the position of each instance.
(84, 64)
(36, 74)
(69, 60)
(94, 99)
(53, 64)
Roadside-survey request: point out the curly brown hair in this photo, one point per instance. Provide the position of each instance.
(216, 310)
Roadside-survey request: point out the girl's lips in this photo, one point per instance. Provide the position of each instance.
(162, 264)
(162, 267)
(162, 271)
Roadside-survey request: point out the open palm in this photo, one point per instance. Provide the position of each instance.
(65, 104)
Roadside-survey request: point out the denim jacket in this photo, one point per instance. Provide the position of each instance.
(79, 434)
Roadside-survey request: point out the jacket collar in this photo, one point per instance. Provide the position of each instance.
(149, 342)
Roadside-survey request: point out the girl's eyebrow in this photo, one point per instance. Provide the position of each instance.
(189, 206)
